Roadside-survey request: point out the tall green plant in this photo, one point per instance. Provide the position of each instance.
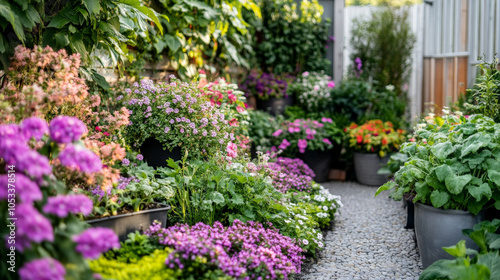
(486, 91)
(384, 44)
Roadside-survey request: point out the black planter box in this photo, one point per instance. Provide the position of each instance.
(319, 162)
(154, 154)
(124, 224)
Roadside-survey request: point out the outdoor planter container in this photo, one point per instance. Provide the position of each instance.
(156, 156)
(319, 162)
(437, 228)
(366, 166)
(124, 224)
(274, 106)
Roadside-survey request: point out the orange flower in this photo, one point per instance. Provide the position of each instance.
(384, 141)
(359, 139)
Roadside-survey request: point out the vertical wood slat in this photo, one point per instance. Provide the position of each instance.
(463, 26)
(438, 82)
(463, 62)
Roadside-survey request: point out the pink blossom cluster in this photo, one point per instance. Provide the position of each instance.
(243, 250)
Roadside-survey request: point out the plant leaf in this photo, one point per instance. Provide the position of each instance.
(438, 199)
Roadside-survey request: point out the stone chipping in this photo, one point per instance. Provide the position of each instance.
(368, 239)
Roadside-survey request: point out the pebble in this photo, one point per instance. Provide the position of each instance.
(368, 239)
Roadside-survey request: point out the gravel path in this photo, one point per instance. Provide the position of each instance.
(368, 239)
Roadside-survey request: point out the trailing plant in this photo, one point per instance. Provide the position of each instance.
(375, 136)
(454, 168)
(469, 263)
(383, 44)
(292, 37)
(313, 91)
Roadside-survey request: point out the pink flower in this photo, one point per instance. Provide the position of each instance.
(232, 97)
(325, 140)
(277, 133)
(232, 150)
(305, 74)
(310, 137)
(302, 144)
(316, 87)
(331, 84)
(240, 109)
(284, 144)
(326, 120)
(291, 129)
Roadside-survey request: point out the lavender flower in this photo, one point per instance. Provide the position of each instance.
(33, 163)
(94, 241)
(125, 162)
(42, 269)
(62, 205)
(65, 129)
(140, 157)
(34, 127)
(81, 159)
(31, 227)
(27, 191)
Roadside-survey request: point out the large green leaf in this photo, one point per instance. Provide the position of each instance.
(492, 261)
(494, 176)
(457, 250)
(59, 21)
(217, 197)
(479, 191)
(9, 14)
(443, 171)
(387, 186)
(438, 198)
(443, 150)
(455, 184)
(92, 6)
(150, 13)
(172, 42)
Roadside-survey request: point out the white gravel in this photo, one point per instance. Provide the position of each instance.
(368, 239)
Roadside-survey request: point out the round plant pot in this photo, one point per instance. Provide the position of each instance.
(274, 106)
(366, 166)
(437, 228)
(124, 224)
(319, 162)
(154, 154)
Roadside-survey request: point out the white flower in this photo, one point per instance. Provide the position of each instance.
(320, 244)
(301, 222)
(320, 236)
(305, 241)
(287, 221)
(458, 113)
(390, 87)
(325, 208)
(322, 215)
(446, 110)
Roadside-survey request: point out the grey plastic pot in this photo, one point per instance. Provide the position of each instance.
(124, 224)
(437, 228)
(366, 166)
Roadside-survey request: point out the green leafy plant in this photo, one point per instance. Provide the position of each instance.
(383, 45)
(453, 168)
(351, 99)
(482, 264)
(291, 38)
(262, 126)
(133, 249)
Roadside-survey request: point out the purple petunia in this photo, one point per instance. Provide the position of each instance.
(82, 159)
(42, 269)
(125, 162)
(302, 144)
(140, 157)
(94, 241)
(34, 127)
(31, 227)
(62, 205)
(26, 190)
(65, 129)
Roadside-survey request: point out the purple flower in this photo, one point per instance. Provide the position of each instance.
(139, 157)
(27, 191)
(10, 131)
(34, 127)
(167, 129)
(31, 227)
(277, 133)
(125, 162)
(65, 129)
(62, 205)
(94, 241)
(42, 269)
(81, 159)
(302, 144)
(33, 163)
(284, 144)
(326, 120)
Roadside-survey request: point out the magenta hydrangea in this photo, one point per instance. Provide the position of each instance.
(62, 205)
(243, 250)
(34, 127)
(31, 227)
(26, 190)
(81, 159)
(42, 269)
(65, 129)
(94, 241)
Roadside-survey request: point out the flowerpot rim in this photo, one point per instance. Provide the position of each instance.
(165, 207)
(371, 154)
(438, 210)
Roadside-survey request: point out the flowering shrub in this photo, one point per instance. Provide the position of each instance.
(46, 230)
(301, 135)
(375, 136)
(290, 174)
(265, 86)
(313, 91)
(241, 250)
(178, 115)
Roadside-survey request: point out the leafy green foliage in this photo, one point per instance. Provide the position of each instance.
(85, 27)
(290, 40)
(262, 126)
(384, 44)
(454, 166)
(133, 249)
(484, 265)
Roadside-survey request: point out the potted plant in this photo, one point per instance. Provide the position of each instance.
(172, 119)
(454, 174)
(270, 91)
(313, 91)
(372, 142)
(135, 203)
(309, 141)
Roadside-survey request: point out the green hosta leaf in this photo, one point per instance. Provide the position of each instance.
(494, 176)
(443, 171)
(438, 199)
(218, 198)
(458, 250)
(479, 191)
(492, 261)
(455, 184)
(443, 150)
